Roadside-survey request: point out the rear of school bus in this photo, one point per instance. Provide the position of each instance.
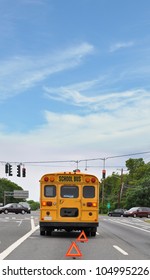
(69, 201)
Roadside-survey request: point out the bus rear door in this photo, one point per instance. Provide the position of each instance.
(70, 203)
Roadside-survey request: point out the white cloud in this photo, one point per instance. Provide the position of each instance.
(120, 45)
(124, 129)
(74, 137)
(117, 121)
(82, 95)
(20, 73)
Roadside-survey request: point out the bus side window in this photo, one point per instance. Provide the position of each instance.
(88, 192)
(50, 191)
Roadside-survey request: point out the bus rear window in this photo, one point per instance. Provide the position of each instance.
(69, 191)
(88, 191)
(50, 191)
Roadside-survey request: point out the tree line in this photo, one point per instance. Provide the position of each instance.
(9, 186)
(123, 190)
(129, 189)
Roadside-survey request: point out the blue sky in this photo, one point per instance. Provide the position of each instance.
(74, 83)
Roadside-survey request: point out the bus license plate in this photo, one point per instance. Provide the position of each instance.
(47, 218)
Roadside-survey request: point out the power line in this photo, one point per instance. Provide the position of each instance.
(75, 161)
(116, 156)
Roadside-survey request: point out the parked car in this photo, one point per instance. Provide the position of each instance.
(117, 212)
(137, 212)
(26, 205)
(14, 208)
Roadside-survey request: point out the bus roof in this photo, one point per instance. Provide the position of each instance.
(74, 172)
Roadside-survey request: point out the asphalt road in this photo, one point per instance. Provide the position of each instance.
(116, 239)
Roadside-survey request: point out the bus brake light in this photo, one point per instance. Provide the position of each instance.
(47, 203)
(91, 204)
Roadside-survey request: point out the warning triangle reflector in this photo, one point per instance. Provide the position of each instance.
(73, 251)
(82, 237)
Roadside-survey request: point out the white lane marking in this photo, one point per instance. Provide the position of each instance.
(12, 247)
(129, 225)
(32, 223)
(120, 250)
(19, 223)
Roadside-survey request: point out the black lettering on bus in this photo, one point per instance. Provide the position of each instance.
(65, 178)
(77, 178)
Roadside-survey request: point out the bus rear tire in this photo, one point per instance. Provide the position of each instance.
(87, 233)
(49, 232)
(42, 232)
(93, 232)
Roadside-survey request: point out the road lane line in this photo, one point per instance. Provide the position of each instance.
(129, 225)
(32, 223)
(120, 250)
(12, 247)
(19, 223)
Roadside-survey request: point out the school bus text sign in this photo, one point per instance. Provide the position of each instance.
(69, 178)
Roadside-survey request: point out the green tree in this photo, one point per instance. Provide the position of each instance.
(34, 205)
(135, 184)
(138, 196)
(138, 183)
(133, 164)
(111, 192)
(7, 185)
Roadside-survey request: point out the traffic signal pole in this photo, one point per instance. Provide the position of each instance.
(103, 183)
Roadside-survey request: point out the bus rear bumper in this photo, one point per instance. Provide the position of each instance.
(68, 226)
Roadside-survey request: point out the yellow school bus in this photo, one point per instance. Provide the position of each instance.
(69, 201)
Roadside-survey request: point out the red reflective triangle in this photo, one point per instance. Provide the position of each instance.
(82, 237)
(74, 247)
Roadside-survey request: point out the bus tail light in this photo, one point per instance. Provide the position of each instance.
(91, 204)
(88, 180)
(94, 204)
(93, 180)
(49, 203)
(43, 203)
(46, 179)
(52, 178)
(46, 203)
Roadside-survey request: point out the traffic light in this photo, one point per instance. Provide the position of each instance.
(6, 168)
(23, 172)
(103, 174)
(10, 170)
(18, 170)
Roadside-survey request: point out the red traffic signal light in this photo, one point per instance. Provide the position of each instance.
(103, 174)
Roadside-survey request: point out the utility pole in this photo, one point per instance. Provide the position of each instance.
(7, 193)
(120, 189)
(103, 183)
